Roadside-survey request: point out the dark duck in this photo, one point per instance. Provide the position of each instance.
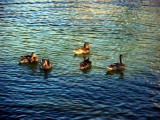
(117, 66)
(85, 64)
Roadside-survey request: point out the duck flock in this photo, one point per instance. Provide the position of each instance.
(45, 64)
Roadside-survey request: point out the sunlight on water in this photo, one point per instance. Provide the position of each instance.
(53, 29)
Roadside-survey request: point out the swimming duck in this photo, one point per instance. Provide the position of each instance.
(84, 50)
(117, 66)
(29, 58)
(45, 64)
(85, 64)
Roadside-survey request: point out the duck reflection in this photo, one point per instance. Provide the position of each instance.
(114, 72)
(45, 72)
(32, 66)
(87, 70)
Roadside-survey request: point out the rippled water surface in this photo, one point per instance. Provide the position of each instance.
(53, 29)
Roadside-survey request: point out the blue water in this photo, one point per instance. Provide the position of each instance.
(53, 29)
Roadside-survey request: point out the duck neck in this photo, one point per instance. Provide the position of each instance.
(120, 59)
(86, 60)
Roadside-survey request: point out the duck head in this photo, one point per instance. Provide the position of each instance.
(86, 45)
(34, 58)
(33, 55)
(43, 61)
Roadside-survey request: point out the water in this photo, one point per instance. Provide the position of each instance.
(53, 29)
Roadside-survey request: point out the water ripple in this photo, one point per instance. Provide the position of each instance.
(53, 29)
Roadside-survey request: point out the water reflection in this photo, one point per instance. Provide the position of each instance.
(86, 71)
(52, 29)
(116, 72)
(31, 66)
(45, 73)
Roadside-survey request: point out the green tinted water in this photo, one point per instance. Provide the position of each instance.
(53, 29)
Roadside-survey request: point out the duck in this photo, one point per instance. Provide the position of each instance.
(85, 64)
(117, 66)
(84, 50)
(45, 64)
(29, 58)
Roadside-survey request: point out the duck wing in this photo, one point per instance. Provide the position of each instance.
(84, 63)
(26, 56)
(115, 65)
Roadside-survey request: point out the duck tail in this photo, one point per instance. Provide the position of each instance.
(74, 51)
(109, 68)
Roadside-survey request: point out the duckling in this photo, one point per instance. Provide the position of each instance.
(85, 64)
(29, 59)
(117, 66)
(45, 64)
(84, 50)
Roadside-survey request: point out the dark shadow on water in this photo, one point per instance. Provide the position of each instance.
(35, 67)
(32, 66)
(116, 72)
(87, 70)
(45, 73)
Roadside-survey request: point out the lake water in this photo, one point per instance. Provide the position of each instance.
(53, 29)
